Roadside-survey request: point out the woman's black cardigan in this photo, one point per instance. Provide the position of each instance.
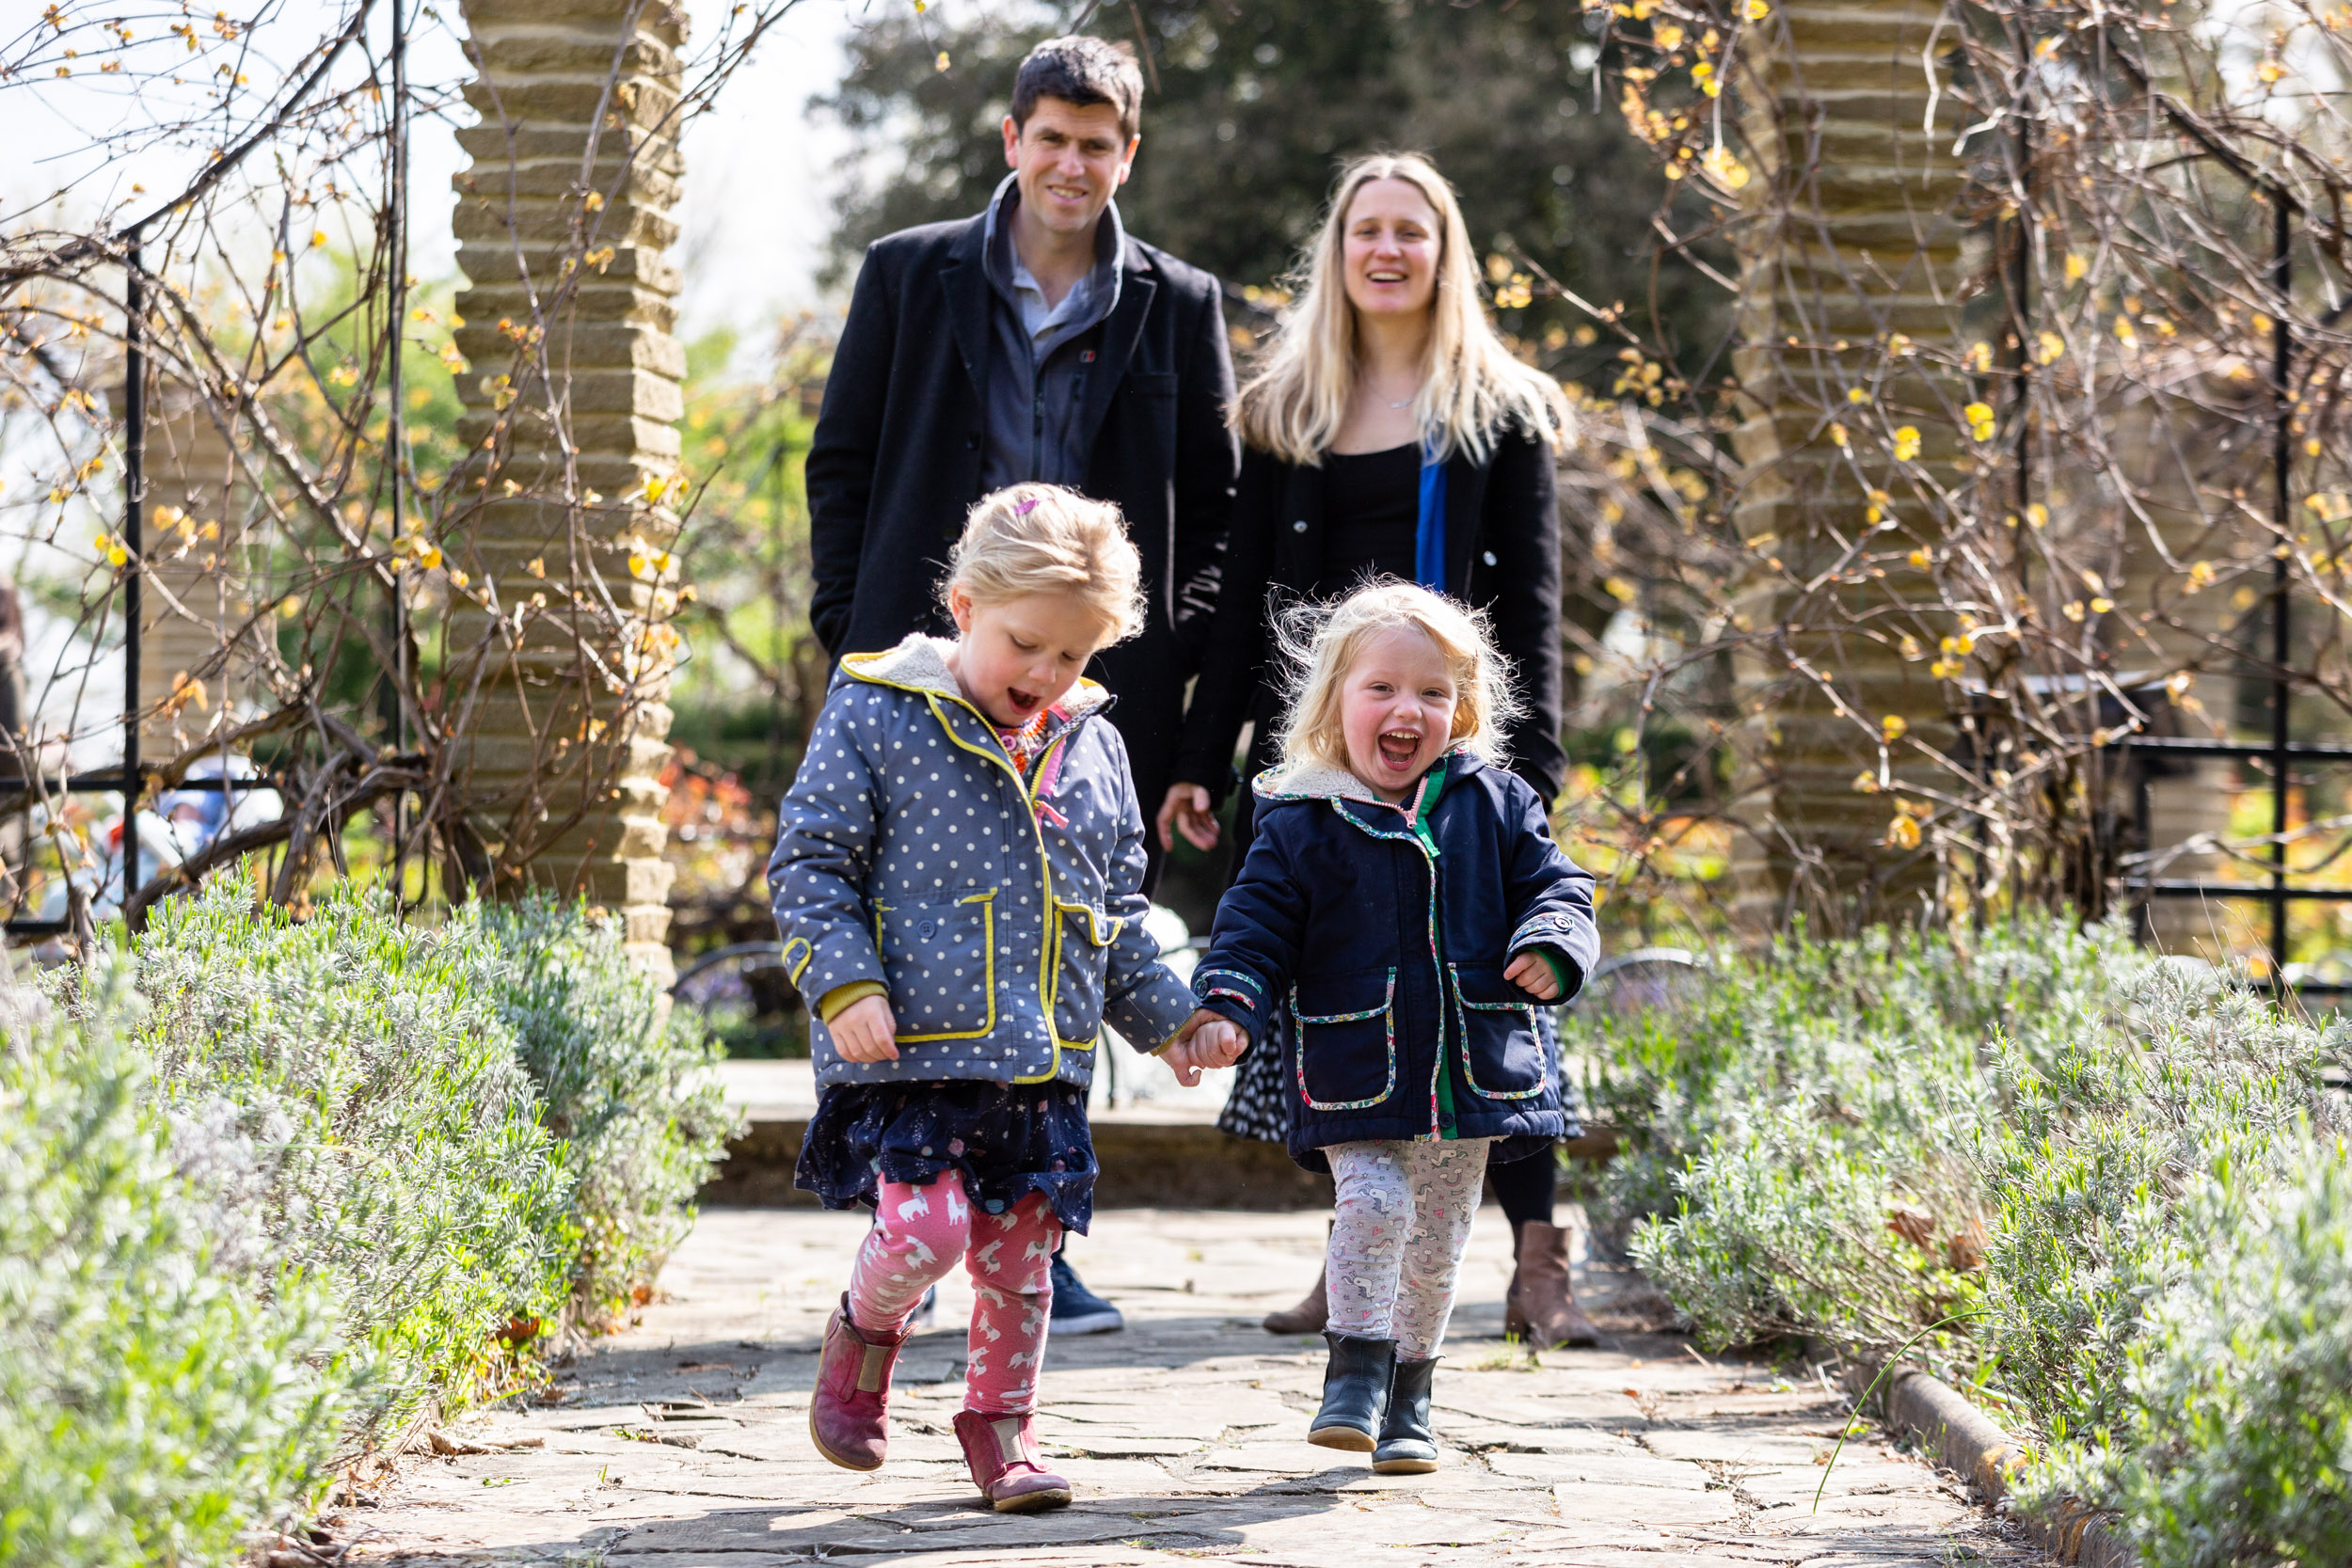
(1502, 554)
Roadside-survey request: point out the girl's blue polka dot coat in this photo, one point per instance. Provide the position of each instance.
(1003, 913)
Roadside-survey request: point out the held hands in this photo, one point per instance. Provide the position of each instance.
(1186, 811)
(1207, 1039)
(1532, 975)
(864, 1031)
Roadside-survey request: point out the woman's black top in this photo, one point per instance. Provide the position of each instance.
(1309, 530)
(1372, 506)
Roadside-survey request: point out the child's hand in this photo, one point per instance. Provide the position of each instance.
(1207, 1039)
(1532, 975)
(864, 1031)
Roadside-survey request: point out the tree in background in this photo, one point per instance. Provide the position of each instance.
(1247, 112)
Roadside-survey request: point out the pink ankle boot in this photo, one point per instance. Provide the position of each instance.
(849, 1415)
(1002, 1452)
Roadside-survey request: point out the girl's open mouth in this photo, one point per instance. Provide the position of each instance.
(1399, 749)
(1019, 701)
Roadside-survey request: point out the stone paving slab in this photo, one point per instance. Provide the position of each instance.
(682, 1442)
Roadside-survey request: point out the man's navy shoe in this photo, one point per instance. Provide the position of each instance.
(1078, 1310)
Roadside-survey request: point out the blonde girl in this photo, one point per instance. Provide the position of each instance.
(1404, 904)
(957, 878)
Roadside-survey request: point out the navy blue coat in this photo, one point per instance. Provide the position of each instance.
(1391, 957)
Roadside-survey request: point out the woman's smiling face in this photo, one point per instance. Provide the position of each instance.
(1391, 243)
(1396, 710)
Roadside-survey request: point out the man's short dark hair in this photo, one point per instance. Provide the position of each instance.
(1080, 70)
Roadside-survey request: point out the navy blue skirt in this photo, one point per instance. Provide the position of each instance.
(1008, 1140)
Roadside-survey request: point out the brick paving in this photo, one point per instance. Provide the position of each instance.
(682, 1443)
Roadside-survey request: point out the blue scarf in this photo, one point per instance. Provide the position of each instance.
(1429, 533)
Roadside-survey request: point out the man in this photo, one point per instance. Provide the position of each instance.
(1036, 342)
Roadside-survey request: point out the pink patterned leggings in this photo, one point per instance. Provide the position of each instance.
(918, 1233)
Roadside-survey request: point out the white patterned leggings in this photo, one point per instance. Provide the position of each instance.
(1402, 1224)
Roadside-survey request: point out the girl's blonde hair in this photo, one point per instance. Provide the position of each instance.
(1321, 643)
(1472, 385)
(1042, 539)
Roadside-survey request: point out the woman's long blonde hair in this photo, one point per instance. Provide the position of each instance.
(1472, 389)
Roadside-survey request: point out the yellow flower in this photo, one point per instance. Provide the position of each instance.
(1979, 417)
(2038, 514)
(1894, 726)
(1668, 36)
(1857, 395)
(2123, 333)
(1866, 783)
(1838, 434)
(2049, 348)
(1726, 170)
(2201, 575)
(1980, 358)
(2075, 267)
(1920, 559)
(1906, 443)
(1902, 834)
(1757, 10)
(428, 554)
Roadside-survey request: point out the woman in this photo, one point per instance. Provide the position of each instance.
(1388, 433)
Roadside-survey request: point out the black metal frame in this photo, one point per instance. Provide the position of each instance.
(131, 778)
(2280, 751)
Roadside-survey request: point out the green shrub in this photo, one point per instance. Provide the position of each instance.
(398, 1153)
(1805, 1131)
(2115, 1184)
(624, 1082)
(165, 1384)
(2185, 1080)
(2230, 1442)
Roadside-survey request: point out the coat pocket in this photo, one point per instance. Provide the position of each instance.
(1347, 1051)
(1502, 1056)
(939, 956)
(1082, 942)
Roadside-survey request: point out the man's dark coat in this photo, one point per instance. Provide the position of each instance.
(896, 463)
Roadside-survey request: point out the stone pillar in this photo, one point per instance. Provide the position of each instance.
(195, 654)
(1852, 249)
(572, 301)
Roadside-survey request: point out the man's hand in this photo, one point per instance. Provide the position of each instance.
(1187, 810)
(864, 1031)
(1532, 975)
(1207, 1039)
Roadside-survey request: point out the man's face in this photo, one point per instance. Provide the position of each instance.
(1069, 163)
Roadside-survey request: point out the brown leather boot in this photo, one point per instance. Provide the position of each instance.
(1001, 1452)
(1541, 1308)
(1310, 1316)
(849, 1414)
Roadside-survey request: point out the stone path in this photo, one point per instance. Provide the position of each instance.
(683, 1443)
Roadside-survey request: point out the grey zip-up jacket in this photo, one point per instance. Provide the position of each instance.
(1001, 911)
